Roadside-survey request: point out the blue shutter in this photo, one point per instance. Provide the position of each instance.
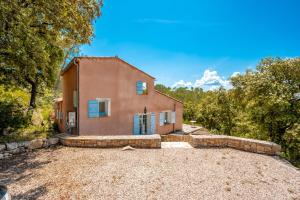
(139, 87)
(93, 108)
(152, 128)
(136, 124)
(161, 118)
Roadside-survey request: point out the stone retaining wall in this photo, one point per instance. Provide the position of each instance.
(12, 148)
(251, 145)
(137, 141)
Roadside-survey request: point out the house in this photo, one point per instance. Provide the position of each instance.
(108, 96)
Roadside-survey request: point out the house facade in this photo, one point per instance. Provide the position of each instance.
(108, 96)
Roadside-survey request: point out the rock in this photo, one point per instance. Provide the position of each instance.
(22, 149)
(2, 147)
(7, 155)
(45, 143)
(24, 144)
(15, 151)
(35, 144)
(11, 146)
(127, 148)
(1, 156)
(53, 141)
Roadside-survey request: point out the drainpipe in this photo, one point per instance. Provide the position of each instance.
(174, 109)
(76, 63)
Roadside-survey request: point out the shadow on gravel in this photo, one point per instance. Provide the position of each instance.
(13, 169)
(32, 194)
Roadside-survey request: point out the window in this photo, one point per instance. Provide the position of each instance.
(102, 110)
(167, 117)
(99, 107)
(141, 88)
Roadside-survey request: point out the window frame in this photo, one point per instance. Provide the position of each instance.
(144, 86)
(107, 107)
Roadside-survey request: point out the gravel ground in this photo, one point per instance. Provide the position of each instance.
(75, 173)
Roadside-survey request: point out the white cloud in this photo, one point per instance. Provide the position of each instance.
(235, 74)
(211, 80)
(182, 83)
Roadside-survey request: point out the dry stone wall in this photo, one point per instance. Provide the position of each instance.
(251, 145)
(141, 141)
(9, 149)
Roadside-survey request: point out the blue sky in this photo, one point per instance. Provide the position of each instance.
(196, 42)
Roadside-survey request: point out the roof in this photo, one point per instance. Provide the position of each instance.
(168, 96)
(76, 59)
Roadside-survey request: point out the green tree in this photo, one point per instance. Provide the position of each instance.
(216, 111)
(269, 95)
(36, 36)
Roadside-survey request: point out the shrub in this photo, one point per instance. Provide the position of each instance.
(13, 110)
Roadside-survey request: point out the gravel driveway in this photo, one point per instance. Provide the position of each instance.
(76, 173)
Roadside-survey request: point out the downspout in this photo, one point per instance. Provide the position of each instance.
(174, 109)
(76, 63)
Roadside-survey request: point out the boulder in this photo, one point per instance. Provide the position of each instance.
(2, 147)
(1, 156)
(36, 144)
(53, 141)
(11, 146)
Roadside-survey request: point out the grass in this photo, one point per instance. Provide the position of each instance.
(29, 133)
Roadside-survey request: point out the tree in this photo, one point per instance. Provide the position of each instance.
(36, 36)
(269, 95)
(216, 111)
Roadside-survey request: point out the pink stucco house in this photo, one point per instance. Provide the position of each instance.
(108, 96)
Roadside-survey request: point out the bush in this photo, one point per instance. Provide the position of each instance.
(292, 144)
(13, 110)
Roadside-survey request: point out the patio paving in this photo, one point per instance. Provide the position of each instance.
(171, 145)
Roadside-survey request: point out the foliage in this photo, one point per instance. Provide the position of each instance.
(262, 104)
(15, 120)
(269, 95)
(13, 110)
(215, 111)
(292, 144)
(26, 134)
(36, 36)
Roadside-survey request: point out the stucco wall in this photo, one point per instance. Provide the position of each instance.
(112, 78)
(69, 84)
